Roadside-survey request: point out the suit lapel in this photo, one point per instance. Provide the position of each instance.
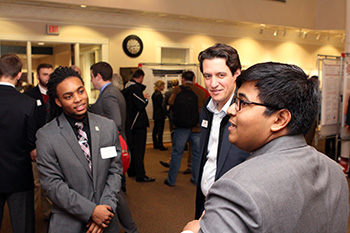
(95, 144)
(68, 134)
(224, 146)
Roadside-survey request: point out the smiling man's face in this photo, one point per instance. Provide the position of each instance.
(72, 97)
(219, 80)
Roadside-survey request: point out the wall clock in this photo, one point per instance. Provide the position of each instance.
(132, 46)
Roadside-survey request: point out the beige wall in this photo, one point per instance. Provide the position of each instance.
(312, 14)
(250, 50)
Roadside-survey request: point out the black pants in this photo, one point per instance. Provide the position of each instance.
(157, 134)
(137, 143)
(21, 208)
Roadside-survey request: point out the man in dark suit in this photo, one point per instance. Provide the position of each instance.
(220, 66)
(39, 94)
(111, 104)
(79, 159)
(17, 144)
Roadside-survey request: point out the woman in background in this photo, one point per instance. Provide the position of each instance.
(159, 115)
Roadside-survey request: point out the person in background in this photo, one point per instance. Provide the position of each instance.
(76, 69)
(39, 93)
(220, 66)
(111, 104)
(184, 134)
(284, 185)
(17, 146)
(78, 159)
(117, 81)
(159, 116)
(136, 125)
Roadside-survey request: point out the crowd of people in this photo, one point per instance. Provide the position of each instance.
(249, 160)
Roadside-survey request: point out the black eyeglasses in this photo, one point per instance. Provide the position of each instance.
(239, 103)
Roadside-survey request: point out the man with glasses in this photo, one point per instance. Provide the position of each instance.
(220, 66)
(284, 185)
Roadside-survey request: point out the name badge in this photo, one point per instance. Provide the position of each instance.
(204, 124)
(38, 103)
(108, 152)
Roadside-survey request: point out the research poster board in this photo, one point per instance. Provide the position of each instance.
(331, 83)
(166, 73)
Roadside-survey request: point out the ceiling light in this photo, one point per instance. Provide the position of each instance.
(41, 43)
(83, 6)
(305, 35)
(318, 36)
(261, 29)
(275, 33)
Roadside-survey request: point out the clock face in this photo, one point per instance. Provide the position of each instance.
(132, 46)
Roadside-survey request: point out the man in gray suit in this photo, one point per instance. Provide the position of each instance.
(284, 185)
(78, 157)
(111, 104)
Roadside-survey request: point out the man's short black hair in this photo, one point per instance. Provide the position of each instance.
(43, 65)
(224, 51)
(188, 75)
(56, 77)
(286, 87)
(104, 69)
(138, 73)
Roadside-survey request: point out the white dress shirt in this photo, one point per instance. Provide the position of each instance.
(209, 170)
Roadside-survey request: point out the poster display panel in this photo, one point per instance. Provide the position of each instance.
(330, 96)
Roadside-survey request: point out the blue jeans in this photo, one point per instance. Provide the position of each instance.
(181, 136)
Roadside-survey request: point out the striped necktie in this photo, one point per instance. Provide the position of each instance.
(84, 143)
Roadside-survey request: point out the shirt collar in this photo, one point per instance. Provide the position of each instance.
(72, 120)
(212, 105)
(7, 84)
(104, 86)
(42, 89)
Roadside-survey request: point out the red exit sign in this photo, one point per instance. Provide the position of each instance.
(52, 29)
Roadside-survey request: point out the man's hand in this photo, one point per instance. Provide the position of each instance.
(102, 215)
(33, 155)
(194, 225)
(94, 228)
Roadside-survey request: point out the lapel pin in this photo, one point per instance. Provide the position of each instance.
(96, 128)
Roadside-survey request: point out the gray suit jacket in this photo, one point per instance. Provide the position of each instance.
(111, 104)
(285, 186)
(65, 176)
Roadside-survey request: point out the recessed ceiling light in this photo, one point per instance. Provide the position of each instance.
(83, 6)
(41, 43)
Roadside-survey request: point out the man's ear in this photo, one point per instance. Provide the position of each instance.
(237, 73)
(19, 75)
(99, 76)
(281, 120)
(58, 102)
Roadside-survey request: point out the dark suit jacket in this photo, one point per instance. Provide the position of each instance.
(228, 154)
(65, 175)
(111, 104)
(17, 139)
(41, 112)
